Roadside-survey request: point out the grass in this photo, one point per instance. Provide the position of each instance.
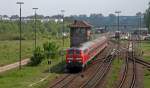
(116, 66)
(146, 79)
(9, 50)
(146, 48)
(30, 75)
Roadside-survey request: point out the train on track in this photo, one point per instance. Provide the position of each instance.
(78, 57)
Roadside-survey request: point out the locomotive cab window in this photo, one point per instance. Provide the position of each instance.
(70, 52)
(77, 52)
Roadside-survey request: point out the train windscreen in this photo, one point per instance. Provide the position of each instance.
(77, 52)
(70, 52)
(73, 51)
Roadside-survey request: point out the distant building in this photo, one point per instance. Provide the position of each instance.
(142, 31)
(0, 17)
(100, 30)
(55, 18)
(14, 18)
(4, 17)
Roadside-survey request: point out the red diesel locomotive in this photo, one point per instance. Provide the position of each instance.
(79, 56)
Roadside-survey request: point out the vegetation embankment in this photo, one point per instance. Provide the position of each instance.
(9, 30)
(9, 38)
(145, 45)
(146, 49)
(30, 77)
(38, 74)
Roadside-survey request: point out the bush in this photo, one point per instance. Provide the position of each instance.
(37, 57)
(50, 49)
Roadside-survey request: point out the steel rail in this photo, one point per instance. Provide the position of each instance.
(146, 64)
(97, 74)
(60, 81)
(124, 74)
(64, 78)
(132, 85)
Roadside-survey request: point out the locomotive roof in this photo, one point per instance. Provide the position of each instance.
(90, 43)
(87, 45)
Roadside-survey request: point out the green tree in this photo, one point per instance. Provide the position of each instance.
(50, 50)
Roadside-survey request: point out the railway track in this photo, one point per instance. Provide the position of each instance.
(146, 64)
(129, 56)
(132, 52)
(99, 73)
(132, 85)
(124, 76)
(69, 78)
(65, 77)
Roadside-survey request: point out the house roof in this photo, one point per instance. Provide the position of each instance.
(80, 24)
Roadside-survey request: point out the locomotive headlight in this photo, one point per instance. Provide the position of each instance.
(70, 58)
(78, 58)
(80, 61)
(69, 61)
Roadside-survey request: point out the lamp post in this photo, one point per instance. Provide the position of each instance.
(118, 24)
(35, 31)
(20, 3)
(62, 12)
(140, 27)
(118, 13)
(139, 16)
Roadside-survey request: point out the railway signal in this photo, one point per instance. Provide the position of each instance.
(20, 3)
(140, 26)
(62, 12)
(118, 29)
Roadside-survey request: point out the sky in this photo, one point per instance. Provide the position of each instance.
(73, 7)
